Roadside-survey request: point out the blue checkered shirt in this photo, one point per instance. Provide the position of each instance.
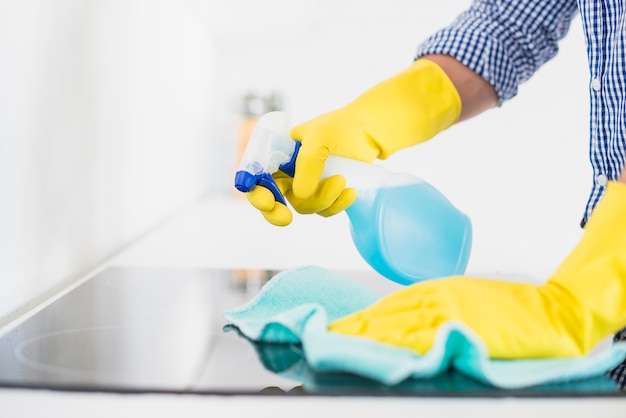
(507, 41)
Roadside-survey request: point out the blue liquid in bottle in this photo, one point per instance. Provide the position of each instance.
(410, 232)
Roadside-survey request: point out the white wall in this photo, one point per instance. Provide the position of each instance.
(105, 110)
(520, 171)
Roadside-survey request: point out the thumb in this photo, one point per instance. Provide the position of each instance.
(311, 159)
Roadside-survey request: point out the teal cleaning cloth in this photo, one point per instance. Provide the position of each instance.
(297, 305)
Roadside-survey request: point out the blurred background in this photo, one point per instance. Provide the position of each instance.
(117, 115)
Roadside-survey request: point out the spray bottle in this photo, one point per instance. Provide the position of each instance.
(402, 226)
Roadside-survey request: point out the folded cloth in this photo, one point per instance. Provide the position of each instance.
(297, 305)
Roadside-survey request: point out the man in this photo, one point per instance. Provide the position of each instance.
(477, 63)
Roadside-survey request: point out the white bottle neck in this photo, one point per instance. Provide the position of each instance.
(363, 176)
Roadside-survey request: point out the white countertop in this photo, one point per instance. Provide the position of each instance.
(226, 233)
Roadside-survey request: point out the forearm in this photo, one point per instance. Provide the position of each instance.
(477, 95)
(501, 41)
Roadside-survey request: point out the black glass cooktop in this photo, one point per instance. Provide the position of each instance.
(131, 329)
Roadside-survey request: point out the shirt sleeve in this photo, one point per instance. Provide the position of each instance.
(504, 41)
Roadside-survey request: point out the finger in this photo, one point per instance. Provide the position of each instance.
(309, 169)
(324, 197)
(274, 212)
(284, 183)
(280, 215)
(312, 155)
(345, 199)
(261, 198)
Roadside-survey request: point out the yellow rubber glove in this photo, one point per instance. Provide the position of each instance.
(404, 110)
(330, 198)
(582, 303)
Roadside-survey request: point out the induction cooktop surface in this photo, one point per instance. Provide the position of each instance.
(147, 330)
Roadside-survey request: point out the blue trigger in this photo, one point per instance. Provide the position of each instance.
(245, 181)
(289, 167)
(266, 180)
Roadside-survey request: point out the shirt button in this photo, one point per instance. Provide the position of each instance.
(602, 180)
(595, 84)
